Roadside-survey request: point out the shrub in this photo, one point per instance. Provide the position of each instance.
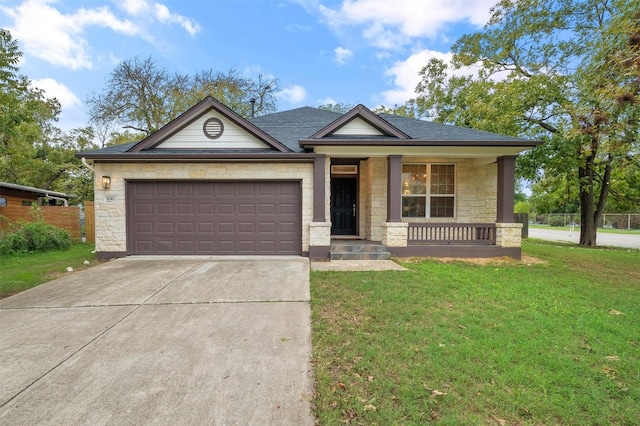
(34, 237)
(556, 220)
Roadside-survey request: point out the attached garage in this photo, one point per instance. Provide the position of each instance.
(214, 217)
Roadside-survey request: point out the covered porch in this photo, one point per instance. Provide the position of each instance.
(467, 211)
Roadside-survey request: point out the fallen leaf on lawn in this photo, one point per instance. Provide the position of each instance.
(501, 422)
(436, 392)
(612, 357)
(610, 372)
(370, 407)
(341, 385)
(614, 312)
(333, 404)
(370, 378)
(461, 327)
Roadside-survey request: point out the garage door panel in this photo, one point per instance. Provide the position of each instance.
(194, 217)
(226, 228)
(245, 208)
(164, 208)
(164, 190)
(226, 208)
(247, 228)
(186, 209)
(165, 228)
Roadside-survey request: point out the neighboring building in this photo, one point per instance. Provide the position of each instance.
(12, 194)
(16, 203)
(212, 182)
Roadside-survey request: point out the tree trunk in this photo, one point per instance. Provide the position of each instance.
(588, 225)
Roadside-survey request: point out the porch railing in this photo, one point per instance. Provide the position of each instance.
(452, 233)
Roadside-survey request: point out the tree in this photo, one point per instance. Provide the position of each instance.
(142, 96)
(339, 107)
(33, 151)
(561, 71)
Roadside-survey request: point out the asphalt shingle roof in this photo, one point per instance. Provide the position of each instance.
(289, 127)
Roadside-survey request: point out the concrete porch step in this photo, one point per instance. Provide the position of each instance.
(358, 250)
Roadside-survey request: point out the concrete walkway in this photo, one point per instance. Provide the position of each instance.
(159, 341)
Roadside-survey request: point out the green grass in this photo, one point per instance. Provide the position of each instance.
(20, 272)
(459, 343)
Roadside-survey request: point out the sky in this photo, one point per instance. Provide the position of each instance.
(321, 51)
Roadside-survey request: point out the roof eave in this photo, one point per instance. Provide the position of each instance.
(310, 143)
(198, 157)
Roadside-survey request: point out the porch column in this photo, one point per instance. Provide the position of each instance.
(506, 188)
(394, 196)
(319, 228)
(319, 176)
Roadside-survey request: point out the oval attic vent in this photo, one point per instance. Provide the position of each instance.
(213, 128)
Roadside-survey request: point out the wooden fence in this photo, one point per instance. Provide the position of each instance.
(89, 221)
(59, 216)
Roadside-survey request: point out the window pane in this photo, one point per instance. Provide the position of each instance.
(442, 179)
(414, 179)
(413, 206)
(441, 207)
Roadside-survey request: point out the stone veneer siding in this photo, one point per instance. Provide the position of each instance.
(110, 205)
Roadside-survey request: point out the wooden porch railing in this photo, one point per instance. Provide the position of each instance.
(452, 233)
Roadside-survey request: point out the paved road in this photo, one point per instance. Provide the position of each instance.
(603, 239)
(161, 341)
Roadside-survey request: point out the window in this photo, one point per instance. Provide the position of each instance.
(428, 190)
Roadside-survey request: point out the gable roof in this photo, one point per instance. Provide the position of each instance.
(365, 114)
(295, 134)
(201, 108)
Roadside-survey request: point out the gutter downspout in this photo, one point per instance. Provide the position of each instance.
(87, 165)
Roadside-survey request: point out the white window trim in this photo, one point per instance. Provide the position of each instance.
(428, 194)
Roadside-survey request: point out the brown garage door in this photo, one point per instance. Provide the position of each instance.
(188, 217)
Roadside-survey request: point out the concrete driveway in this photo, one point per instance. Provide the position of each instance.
(191, 340)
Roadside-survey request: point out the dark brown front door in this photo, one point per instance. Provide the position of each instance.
(343, 206)
(232, 217)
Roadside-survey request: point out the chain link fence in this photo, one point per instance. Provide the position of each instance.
(608, 220)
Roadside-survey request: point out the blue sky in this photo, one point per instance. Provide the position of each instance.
(322, 51)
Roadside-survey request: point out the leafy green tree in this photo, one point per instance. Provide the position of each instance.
(339, 107)
(142, 96)
(33, 151)
(561, 71)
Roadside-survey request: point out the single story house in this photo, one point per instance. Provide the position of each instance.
(12, 194)
(298, 182)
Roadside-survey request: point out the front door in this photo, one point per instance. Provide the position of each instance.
(343, 206)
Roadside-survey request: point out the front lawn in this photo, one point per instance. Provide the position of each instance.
(19, 272)
(457, 343)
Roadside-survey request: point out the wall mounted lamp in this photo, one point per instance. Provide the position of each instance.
(106, 182)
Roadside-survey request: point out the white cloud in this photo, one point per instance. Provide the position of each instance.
(56, 38)
(328, 101)
(342, 55)
(406, 75)
(55, 89)
(159, 11)
(294, 94)
(388, 25)
(164, 15)
(60, 38)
